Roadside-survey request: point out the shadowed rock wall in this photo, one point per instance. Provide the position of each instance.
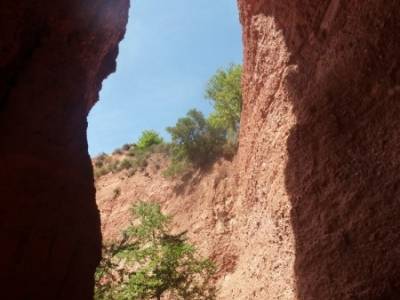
(53, 58)
(319, 150)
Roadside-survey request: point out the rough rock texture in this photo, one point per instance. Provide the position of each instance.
(53, 58)
(318, 214)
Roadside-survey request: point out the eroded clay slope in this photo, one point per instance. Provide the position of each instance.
(199, 203)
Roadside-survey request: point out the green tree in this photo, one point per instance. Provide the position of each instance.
(148, 139)
(195, 139)
(224, 90)
(149, 262)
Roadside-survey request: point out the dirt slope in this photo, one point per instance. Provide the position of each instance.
(199, 203)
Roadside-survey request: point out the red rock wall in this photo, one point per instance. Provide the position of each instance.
(53, 58)
(319, 151)
(316, 212)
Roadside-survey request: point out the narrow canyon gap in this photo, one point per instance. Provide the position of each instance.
(53, 58)
(316, 210)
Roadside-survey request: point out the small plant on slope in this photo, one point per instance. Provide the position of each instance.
(149, 262)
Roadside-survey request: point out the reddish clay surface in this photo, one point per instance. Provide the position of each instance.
(319, 149)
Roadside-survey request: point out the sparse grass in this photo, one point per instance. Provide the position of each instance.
(100, 159)
(161, 148)
(132, 151)
(118, 151)
(175, 169)
(135, 159)
(98, 172)
(114, 165)
(126, 164)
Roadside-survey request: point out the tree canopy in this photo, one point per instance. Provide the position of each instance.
(195, 139)
(224, 90)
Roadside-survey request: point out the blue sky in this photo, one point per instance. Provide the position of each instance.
(170, 50)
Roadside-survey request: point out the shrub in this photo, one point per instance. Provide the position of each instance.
(114, 166)
(195, 140)
(117, 151)
(132, 151)
(141, 157)
(98, 172)
(126, 147)
(101, 165)
(125, 164)
(100, 159)
(148, 139)
(150, 262)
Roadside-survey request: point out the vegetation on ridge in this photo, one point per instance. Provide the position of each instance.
(195, 139)
(148, 139)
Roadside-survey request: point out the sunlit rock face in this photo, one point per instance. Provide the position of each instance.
(53, 58)
(318, 195)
